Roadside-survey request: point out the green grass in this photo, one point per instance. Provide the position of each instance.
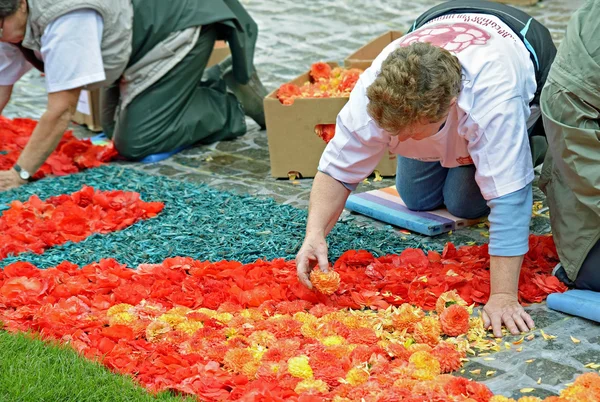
(35, 371)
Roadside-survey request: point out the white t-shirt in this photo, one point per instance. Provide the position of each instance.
(487, 127)
(71, 51)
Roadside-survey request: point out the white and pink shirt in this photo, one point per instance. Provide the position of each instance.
(487, 127)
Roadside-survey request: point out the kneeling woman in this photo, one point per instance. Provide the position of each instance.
(148, 55)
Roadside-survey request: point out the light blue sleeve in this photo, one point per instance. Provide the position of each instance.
(509, 217)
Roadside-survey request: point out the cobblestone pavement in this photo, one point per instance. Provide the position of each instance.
(325, 30)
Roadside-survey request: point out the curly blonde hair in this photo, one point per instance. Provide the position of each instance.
(416, 84)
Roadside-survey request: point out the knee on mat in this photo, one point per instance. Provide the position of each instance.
(415, 202)
(466, 210)
(129, 150)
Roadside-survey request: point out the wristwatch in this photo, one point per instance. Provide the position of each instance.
(23, 174)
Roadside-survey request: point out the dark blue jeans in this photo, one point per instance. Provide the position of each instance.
(425, 186)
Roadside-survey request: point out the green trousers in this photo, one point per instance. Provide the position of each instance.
(187, 106)
(571, 174)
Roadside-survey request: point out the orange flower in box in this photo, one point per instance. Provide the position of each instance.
(325, 282)
(320, 71)
(325, 131)
(288, 92)
(324, 83)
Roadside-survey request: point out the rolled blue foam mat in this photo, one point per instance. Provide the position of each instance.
(101, 139)
(580, 303)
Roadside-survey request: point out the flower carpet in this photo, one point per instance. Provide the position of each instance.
(71, 155)
(224, 322)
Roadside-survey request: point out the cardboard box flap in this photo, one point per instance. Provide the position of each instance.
(363, 57)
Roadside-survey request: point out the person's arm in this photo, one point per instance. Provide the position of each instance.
(50, 129)
(327, 199)
(5, 94)
(509, 218)
(499, 146)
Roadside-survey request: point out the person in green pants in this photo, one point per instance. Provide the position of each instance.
(570, 105)
(148, 56)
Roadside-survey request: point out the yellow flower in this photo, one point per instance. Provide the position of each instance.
(223, 317)
(305, 317)
(299, 367)
(428, 331)
(500, 398)
(425, 366)
(230, 332)
(180, 310)
(189, 327)
(156, 330)
(333, 340)
(123, 318)
(172, 319)
(357, 376)
(312, 386)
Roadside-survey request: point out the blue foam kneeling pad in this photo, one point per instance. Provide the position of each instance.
(102, 139)
(580, 303)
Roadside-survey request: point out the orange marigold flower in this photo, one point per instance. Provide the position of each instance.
(325, 282)
(428, 331)
(406, 317)
(455, 320)
(357, 376)
(364, 336)
(447, 299)
(320, 71)
(311, 386)
(448, 357)
(236, 359)
(287, 93)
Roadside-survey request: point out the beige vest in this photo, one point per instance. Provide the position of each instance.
(116, 38)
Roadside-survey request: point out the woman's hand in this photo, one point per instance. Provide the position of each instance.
(313, 252)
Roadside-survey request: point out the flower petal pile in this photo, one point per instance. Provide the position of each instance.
(227, 331)
(325, 82)
(35, 225)
(71, 155)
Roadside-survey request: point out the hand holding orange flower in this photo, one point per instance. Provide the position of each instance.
(325, 282)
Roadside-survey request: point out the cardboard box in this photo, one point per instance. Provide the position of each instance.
(88, 106)
(363, 57)
(293, 144)
(88, 110)
(220, 52)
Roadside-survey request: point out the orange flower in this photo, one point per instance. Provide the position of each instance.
(320, 71)
(287, 93)
(236, 359)
(428, 331)
(447, 299)
(325, 282)
(448, 357)
(325, 131)
(406, 317)
(455, 320)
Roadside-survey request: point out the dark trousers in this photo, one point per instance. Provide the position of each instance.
(588, 277)
(181, 109)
